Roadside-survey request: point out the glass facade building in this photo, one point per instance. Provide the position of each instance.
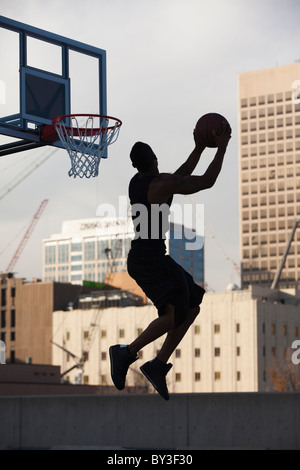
(89, 249)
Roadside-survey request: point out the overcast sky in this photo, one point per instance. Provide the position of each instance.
(169, 62)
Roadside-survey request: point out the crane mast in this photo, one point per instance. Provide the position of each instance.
(27, 235)
(285, 254)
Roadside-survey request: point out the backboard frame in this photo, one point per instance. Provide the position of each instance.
(24, 126)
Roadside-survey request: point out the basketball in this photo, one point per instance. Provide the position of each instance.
(206, 125)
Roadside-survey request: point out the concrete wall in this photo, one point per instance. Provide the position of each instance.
(187, 421)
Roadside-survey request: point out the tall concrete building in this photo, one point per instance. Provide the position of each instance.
(269, 156)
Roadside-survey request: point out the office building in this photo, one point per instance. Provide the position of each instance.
(238, 338)
(269, 158)
(26, 316)
(90, 249)
(86, 250)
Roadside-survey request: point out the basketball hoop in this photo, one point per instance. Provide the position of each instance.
(86, 138)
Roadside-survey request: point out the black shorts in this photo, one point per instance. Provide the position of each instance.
(163, 280)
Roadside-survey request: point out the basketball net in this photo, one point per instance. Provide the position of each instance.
(86, 138)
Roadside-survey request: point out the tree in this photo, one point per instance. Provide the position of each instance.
(285, 375)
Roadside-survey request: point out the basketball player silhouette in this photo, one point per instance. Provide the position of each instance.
(172, 290)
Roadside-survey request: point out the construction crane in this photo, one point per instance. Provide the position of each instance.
(221, 248)
(17, 179)
(27, 235)
(79, 361)
(285, 254)
(228, 258)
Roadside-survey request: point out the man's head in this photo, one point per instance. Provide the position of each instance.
(142, 157)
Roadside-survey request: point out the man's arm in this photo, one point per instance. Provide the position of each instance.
(193, 184)
(190, 164)
(164, 186)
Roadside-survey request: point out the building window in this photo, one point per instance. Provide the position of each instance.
(238, 351)
(238, 376)
(12, 357)
(178, 377)
(217, 375)
(217, 352)
(217, 328)
(264, 376)
(50, 254)
(237, 327)
(76, 247)
(197, 376)
(12, 318)
(3, 319)
(103, 356)
(63, 253)
(197, 352)
(102, 247)
(121, 333)
(76, 267)
(284, 330)
(273, 329)
(103, 334)
(197, 329)
(178, 353)
(85, 379)
(76, 258)
(89, 250)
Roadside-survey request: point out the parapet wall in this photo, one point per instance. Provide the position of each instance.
(187, 421)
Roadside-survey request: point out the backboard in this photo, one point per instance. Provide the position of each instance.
(42, 76)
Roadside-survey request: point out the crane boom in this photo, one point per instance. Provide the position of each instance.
(27, 235)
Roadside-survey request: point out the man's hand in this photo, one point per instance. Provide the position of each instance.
(198, 144)
(221, 140)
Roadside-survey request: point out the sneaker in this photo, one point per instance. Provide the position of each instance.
(120, 360)
(155, 371)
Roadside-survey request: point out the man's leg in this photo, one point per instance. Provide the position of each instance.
(175, 336)
(122, 356)
(157, 369)
(157, 328)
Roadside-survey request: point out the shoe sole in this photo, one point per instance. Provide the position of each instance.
(111, 369)
(150, 380)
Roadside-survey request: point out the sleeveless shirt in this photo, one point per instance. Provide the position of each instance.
(150, 221)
